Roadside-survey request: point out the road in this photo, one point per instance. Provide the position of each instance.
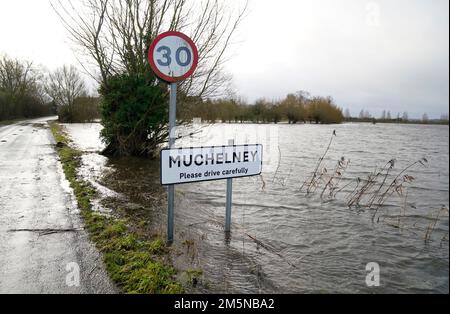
(42, 241)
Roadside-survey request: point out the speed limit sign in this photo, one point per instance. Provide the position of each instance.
(173, 57)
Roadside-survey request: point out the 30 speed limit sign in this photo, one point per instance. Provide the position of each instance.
(173, 57)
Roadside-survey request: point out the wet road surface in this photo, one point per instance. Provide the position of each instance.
(42, 241)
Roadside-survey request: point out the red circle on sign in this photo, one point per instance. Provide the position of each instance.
(155, 69)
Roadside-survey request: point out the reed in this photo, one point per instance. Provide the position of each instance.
(335, 178)
(281, 180)
(373, 192)
(311, 183)
(367, 185)
(396, 186)
(387, 169)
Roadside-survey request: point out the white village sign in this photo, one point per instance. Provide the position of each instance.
(189, 165)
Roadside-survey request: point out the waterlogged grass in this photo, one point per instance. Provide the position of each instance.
(135, 264)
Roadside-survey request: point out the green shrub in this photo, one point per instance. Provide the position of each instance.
(134, 111)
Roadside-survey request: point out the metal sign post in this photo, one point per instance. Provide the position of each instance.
(172, 137)
(229, 200)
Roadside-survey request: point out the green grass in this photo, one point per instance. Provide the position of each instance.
(133, 263)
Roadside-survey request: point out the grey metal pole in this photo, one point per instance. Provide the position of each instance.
(229, 200)
(172, 138)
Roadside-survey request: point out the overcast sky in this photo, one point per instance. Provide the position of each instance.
(374, 55)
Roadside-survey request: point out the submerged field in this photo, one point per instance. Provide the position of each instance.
(289, 239)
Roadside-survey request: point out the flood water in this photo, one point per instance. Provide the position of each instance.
(285, 241)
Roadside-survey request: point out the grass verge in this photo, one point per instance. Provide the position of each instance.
(135, 264)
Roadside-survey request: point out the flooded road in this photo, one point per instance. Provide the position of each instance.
(287, 241)
(42, 241)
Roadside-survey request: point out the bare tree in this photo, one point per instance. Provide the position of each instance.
(16, 77)
(21, 93)
(364, 114)
(347, 114)
(115, 35)
(389, 115)
(64, 86)
(405, 117)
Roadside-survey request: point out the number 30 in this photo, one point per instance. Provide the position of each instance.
(167, 52)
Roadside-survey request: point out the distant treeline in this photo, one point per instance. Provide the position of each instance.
(441, 121)
(27, 91)
(386, 117)
(295, 108)
(21, 91)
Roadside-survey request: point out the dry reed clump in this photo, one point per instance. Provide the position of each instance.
(372, 192)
